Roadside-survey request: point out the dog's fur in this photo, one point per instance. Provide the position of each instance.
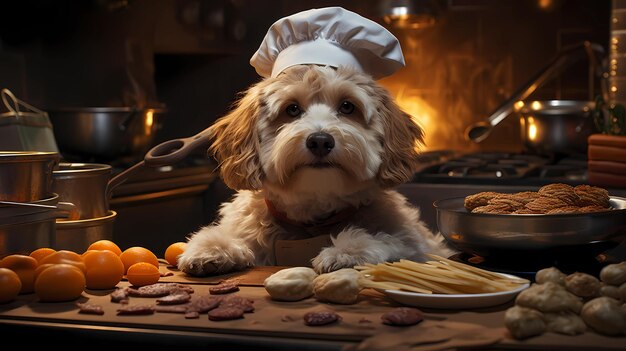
(262, 154)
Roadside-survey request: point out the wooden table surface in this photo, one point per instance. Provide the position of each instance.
(274, 323)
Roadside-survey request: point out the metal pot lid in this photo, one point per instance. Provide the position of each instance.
(106, 109)
(20, 156)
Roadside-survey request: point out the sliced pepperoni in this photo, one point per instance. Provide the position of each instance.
(226, 313)
(316, 318)
(402, 316)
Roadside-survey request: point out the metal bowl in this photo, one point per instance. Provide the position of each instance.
(501, 234)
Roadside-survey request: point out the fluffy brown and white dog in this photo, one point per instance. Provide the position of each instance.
(313, 144)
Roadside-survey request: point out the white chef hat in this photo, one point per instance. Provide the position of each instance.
(329, 36)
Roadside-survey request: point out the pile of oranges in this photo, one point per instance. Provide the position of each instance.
(63, 275)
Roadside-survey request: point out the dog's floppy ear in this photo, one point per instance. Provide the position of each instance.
(402, 139)
(235, 143)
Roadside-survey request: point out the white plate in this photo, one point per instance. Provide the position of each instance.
(455, 301)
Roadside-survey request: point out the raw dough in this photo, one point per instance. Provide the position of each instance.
(341, 286)
(549, 297)
(291, 284)
(551, 274)
(614, 274)
(524, 322)
(564, 323)
(582, 284)
(605, 315)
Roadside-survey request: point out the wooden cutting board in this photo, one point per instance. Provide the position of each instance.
(359, 322)
(254, 276)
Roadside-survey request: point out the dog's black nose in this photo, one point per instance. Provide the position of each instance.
(320, 143)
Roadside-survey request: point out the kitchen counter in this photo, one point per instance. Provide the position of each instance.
(273, 325)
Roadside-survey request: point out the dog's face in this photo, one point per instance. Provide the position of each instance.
(315, 128)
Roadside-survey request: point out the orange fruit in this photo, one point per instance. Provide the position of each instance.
(10, 285)
(105, 245)
(104, 269)
(172, 252)
(60, 282)
(65, 256)
(143, 273)
(24, 266)
(137, 254)
(41, 253)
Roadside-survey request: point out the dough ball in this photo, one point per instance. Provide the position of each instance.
(524, 322)
(291, 284)
(611, 291)
(549, 297)
(565, 323)
(614, 274)
(582, 284)
(605, 315)
(551, 274)
(341, 286)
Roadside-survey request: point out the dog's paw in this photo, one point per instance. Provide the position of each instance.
(332, 258)
(207, 254)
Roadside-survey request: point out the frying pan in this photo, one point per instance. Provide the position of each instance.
(166, 153)
(529, 234)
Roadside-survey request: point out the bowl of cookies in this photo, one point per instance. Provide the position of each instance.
(557, 217)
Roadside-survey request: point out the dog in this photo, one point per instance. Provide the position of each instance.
(312, 144)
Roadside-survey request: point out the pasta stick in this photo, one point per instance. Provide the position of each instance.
(428, 284)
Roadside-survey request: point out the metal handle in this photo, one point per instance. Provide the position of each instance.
(479, 131)
(15, 107)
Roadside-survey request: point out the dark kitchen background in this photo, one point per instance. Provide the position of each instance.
(464, 58)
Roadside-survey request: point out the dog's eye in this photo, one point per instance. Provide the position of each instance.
(346, 108)
(293, 110)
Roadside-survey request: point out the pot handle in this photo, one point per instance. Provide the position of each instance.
(127, 119)
(67, 210)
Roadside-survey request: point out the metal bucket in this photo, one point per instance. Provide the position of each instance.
(78, 235)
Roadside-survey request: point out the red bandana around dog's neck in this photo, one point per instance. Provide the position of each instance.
(332, 219)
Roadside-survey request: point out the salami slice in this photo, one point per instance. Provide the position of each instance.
(119, 296)
(171, 308)
(226, 313)
(175, 298)
(402, 316)
(89, 308)
(237, 301)
(159, 289)
(204, 304)
(223, 288)
(316, 318)
(136, 310)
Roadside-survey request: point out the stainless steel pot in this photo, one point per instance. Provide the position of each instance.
(557, 126)
(24, 227)
(104, 133)
(84, 185)
(26, 176)
(78, 235)
(532, 234)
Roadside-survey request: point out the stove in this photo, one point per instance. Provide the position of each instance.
(500, 168)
